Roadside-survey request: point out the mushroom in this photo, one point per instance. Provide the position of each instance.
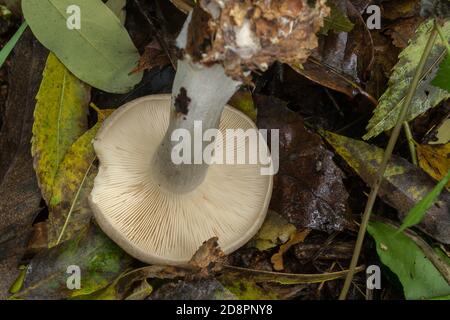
(160, 210)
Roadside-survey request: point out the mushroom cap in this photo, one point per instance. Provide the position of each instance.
(156, 225)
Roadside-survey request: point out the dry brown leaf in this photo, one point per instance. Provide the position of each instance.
(297, 237)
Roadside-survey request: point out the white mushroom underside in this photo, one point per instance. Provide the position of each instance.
(158, 226)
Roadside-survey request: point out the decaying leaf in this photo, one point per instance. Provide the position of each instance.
(403, 186)
(416, 214)
(336, 21)
(403, 30)
(202, 289)
(100, 261)
(419, 277)
(434, 159)
(184, 5)
(342, 59)
(128, 285)
(275, 231)
(308, 189)
(60, 118)
(152, 57)
(277, 258)
(426, 96)
(69, 207)
(20, 196)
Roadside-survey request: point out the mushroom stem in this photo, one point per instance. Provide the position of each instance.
(199, 95)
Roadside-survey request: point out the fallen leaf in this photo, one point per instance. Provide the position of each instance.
(202, 289)
(20, 196)
(60, 117)
(419, 277)
(403, 31)
(337, 21)
(102, 59)
(99, 259)
(243, 101)
(426, 95)
(416, 214)
(127, 285)
(152, 57)
(118, 8)
(275, 231)
(184, 5)
(342, 59)
(277, 258)
(434, 159)
(404, 184)
(398, 9)
(69, 207)
(308, 189)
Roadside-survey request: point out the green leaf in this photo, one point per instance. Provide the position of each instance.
(336, 21)
(417, 213)
(100, 260)
(418, 276)
(101, 53)
(69, 207)
(6, 50)
(427, 96)
(118, 8)
(442, 79)
(60, 117)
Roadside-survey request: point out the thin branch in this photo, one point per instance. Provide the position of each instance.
(163, 44)
(384, 163)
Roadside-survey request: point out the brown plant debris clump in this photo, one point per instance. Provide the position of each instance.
(246, 35)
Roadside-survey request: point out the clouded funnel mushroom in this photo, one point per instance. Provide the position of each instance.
(160, 210)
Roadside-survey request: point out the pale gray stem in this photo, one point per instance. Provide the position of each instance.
(199, 95)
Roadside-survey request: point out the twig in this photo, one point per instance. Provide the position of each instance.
(411, 145)
(386, 158)
(160, 40)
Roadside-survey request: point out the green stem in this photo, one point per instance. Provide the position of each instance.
(384, 163)
(411, 145)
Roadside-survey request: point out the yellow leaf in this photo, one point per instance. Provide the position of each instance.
(277, 258)
(60, 117)
(434, 160)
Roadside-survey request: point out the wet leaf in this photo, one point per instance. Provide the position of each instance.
(152, 57)
(342, 59)
(277, 258)
(336, 21)
(69, 207)
(419, 277)
(404, 184)
(308, 189)
(127, 285)
(434, 159)
(99, 53)
(426, 96)
(275, 231)
(203, 289)
(416, 214)
(60, 118)
(100, 260)
(20, 196)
